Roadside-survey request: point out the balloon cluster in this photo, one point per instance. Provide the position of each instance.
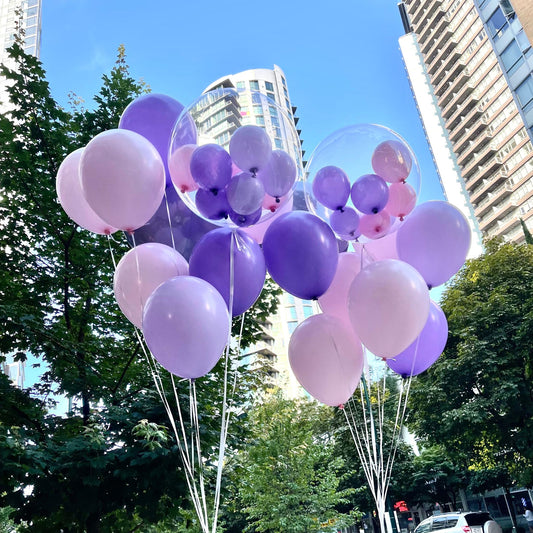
(197, 215)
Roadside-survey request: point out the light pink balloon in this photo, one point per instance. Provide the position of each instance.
(180, 170)
(375, 226)
(379, 249)
(270, 203)
(388, 305)
(140, 272)
(122, 178)
(257, 231)
(392, 161)
(335, 300)
(402, 200)
(326, 358)
(72, 200)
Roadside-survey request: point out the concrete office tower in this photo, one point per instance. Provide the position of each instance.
(28, 13)
(251, 107)
(479, 63)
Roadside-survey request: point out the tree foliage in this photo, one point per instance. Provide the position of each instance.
(288, 478)
(111, 463)
(476, 400)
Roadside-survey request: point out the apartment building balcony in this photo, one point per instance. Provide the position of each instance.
(489, 184)
(465, 115)
(496, 196)
(443, 81)
(476, 145)
(505, 225)
(457, 81)
(479, 158)
(417, 11)
(459, 98)
(444, 61)
(431, 47)
(414, 7)
(476, 172)
(498, 213)
(466, 132)
(433, 24)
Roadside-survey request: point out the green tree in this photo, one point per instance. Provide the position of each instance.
(288, 476)
(476, 400)
(111, 464)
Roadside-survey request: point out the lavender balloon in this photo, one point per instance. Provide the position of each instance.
(331, 187)
(245, 221)
(211, 167)
(186, 326)
(435, 239)
(370, 194)
(225, 250)
(279, 175)
(153, 116)
(426, 349)
(212, 205)
(250, 148)
(301, 254)
(245, 193)
(345, 223)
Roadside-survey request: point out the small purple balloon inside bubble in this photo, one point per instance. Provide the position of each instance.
(361, 167)
(234, 179)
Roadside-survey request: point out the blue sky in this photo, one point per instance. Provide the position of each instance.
(341, 59)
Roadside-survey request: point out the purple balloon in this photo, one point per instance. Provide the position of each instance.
(245, 193)
(186, 326)
(345, 223)
(212, 205)
(250, 148)
(211, 261)
(153, 116)
(370, 194)
(301, 254)
(279, 175)
(211, 167)
(331, 187)
(173, 224)
(244, 221)
(426, 349)
(435, 239)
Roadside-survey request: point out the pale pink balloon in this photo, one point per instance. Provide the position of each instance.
(140, 272)
(392, 161)
(180, 170)
(326, 359)
(273, 204)
(72, 200)
(257, 231)
(379, 249)
(388, 305)
(375, 226)
(122, 178)
(402, 200)
(335, 300)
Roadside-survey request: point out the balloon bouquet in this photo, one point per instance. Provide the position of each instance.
(206, 221)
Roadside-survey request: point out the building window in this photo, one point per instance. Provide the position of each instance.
(525, 93)
(258, 110)
(279, 144)
(256, 98)
(254, 85)
(269, 86)
(277, 132)
(260, 120)
(275, 121)
(512, 58)
(283, 81)
(308, 311)
(273, 111)
(292, 326)
(497, 24)
(241, 86)
(272, 96)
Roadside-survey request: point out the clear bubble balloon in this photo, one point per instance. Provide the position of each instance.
(352, 150)
(218, 116)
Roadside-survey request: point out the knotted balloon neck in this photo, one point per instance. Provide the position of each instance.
(278, 200)
(375, 210)
(340, 208)
(341, 407)
(430, 286)
(253, 171)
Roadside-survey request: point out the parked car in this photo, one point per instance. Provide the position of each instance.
(468, 522)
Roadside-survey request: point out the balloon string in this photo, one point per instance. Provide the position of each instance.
(169, 221)
(223, 425)
(111, 251)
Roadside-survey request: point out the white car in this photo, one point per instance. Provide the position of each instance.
(468, 522)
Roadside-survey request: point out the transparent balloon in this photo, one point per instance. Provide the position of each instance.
(215, 117)
(353, 149)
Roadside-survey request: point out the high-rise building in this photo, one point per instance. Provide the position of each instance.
(261, 97)
(470, 65)
(25, 15)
